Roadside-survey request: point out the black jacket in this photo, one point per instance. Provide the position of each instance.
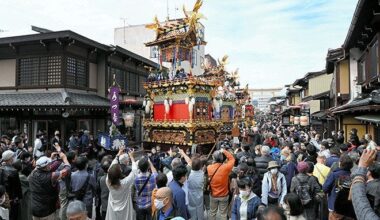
(10, 179)
(262, 165)
(44, 195)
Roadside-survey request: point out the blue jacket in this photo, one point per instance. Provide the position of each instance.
(330, 184)
(253, 204)
(331, 160)
(179, 200)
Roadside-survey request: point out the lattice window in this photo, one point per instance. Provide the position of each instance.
(38, 71)
(81, 73)
(54, 70)
(76, 73)
(119, 77)
(133, 82)
(71, 70)
(142, 80)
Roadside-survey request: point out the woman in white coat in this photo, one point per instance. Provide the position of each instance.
(120, 197)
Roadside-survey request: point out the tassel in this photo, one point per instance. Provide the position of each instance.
(144, 103)
(147, 107)
(191, 106)
(170, 102)
(187, 100)
(166, 105)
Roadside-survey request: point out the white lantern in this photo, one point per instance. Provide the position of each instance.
(297, 120)
(191, 106)
(216, 105)
(193, 101)
(304, 120)
(147, 106)
(167, 106)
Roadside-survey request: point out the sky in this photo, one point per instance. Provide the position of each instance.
(272, 42)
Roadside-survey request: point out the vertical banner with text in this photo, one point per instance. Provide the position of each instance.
(114, 99)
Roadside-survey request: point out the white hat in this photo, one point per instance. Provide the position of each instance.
(43, 162)
(7, 155)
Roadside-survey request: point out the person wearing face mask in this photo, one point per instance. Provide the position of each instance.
(245, 204)
(179, 195)
(164, 205)
(11, 180)
(44, 187)
(274, 186)
(56, 140)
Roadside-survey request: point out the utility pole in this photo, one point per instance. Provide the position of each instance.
(124, 22)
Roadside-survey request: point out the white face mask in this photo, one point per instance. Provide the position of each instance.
(159, 204)
(244, 193)
(285, 206)
(274, 171)
(2, 200)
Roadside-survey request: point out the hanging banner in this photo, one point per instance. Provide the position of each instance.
(114, 101)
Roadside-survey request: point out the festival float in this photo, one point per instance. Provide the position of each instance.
(178, 105)
(183, 109)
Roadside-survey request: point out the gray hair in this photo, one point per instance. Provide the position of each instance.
(265, 150)
(176, 162)
(124, 158)
(75, 207)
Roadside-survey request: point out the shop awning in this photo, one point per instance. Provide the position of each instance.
(52, 99)
(319, 115)
(369, 118)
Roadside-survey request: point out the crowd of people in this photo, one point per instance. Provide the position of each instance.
(271, 172)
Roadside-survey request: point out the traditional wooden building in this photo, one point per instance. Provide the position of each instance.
(355, 69)
(59, 81)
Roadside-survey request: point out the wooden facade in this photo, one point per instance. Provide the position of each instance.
(64, 63)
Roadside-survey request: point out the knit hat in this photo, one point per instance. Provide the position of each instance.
(7, 155)
(302, 167)
(43, 162)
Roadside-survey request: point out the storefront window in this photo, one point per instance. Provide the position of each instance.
(8, 125)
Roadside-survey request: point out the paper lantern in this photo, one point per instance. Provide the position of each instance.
(216, 105)
(167, 106)
(147, 107)
(296, 120)
(291, 119)
(304, 120)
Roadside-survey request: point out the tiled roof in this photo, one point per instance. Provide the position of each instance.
(52, 99)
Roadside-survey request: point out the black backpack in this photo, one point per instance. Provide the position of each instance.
(303, 190)
(79, 194)
(342, 203)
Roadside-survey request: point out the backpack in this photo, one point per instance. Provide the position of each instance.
(342, 203)
(303, 191)
(79, 194)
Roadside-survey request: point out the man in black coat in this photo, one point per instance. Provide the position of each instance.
(263, 160)
(10, 179)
